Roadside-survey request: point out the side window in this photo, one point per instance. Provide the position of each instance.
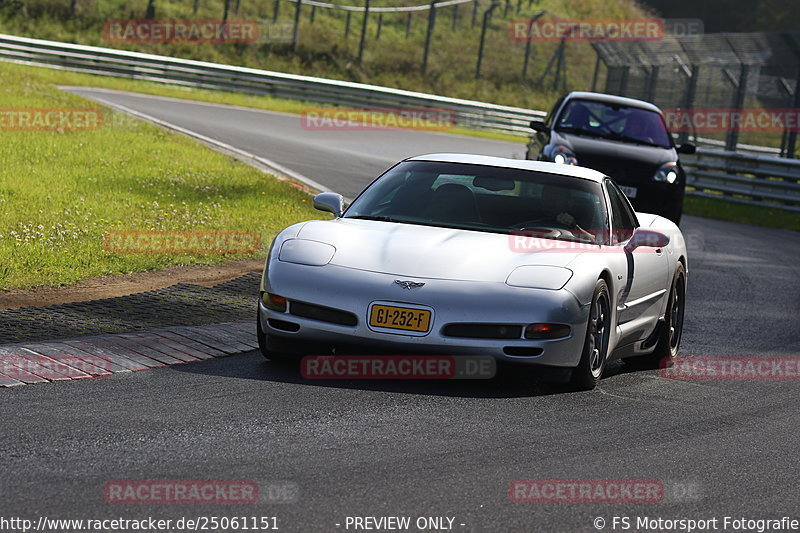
(549, 120)
(623, 219)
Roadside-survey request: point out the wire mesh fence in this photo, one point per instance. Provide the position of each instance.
(733, 89)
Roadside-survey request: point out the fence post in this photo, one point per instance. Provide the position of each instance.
(380, 25)
(347, 24)
(528, 42)
(596, 71)
(790, 147)
(225, 12)
(313, 13)
(431, 24)
(486, 16)
(474, 12)
(652, 83)
(623, 80)
(276, 11)
(194, 7)
(363, 31)
(296, 29)
(455, 16)
(732, 138)
(408, 24)
(151, 10)
(688, 99)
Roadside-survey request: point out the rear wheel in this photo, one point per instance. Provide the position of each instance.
(587, 374)
(670, 339)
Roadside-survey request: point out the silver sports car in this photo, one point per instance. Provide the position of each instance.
(531, 262)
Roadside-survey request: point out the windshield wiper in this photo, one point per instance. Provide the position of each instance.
(381, 218)
(627, 138)
(579, 131)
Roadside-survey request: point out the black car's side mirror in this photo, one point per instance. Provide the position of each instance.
(538, 125)
(686, 148)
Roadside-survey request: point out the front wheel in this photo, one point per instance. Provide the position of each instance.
(587, 374)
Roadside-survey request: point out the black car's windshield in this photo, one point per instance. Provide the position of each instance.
(485, 198)
(619, 123)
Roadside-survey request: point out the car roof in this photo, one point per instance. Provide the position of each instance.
(521, 164)
(612, 99)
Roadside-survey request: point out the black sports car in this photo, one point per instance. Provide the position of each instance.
(625, 139)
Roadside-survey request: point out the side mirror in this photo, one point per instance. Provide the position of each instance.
(686, 148)
(330, 202)
(538, 125)
(646, 238)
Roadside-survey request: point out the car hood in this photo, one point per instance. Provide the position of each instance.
(593, 148)
(427, 252)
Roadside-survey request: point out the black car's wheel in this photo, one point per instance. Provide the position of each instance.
(670, 339)
(587, 374)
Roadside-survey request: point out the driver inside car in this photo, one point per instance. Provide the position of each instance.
(555, 205)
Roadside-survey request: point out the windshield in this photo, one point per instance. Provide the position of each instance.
(619, 123)
(484, 198)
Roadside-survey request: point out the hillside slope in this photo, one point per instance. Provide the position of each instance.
(391, 58)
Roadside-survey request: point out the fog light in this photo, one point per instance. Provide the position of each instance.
(274, 302)
(546, 331)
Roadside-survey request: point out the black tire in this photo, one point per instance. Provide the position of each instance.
(587, 374)
(669, 341)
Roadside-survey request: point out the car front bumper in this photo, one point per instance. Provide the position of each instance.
(449, 301)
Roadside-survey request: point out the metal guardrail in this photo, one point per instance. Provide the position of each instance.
(744, 178)
(752, 179)
(111, 62)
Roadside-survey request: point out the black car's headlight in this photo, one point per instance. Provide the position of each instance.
(668, 172)
(564, 156)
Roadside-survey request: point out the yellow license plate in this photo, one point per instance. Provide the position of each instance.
(388, 316)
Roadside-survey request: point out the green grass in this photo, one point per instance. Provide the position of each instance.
(392, 60)
(62, 191)
(744, 214)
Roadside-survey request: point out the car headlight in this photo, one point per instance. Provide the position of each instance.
(539, 277)
(564, 156)
(667, 172)
(305, 252)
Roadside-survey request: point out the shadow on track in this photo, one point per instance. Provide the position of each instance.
(511, 381)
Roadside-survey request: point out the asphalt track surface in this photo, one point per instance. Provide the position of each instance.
(720, 448)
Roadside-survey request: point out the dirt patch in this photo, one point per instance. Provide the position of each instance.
(125, 284)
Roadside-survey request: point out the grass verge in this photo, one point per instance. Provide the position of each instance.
(62, 191)
(742, 213)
